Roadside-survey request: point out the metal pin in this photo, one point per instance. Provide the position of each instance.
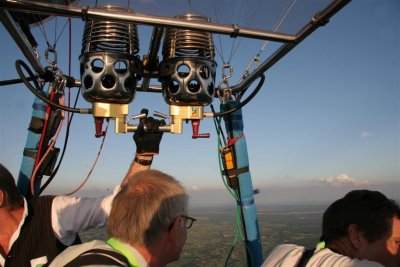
(160, 115)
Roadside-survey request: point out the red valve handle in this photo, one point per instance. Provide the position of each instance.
(195, 127)
(98, 121)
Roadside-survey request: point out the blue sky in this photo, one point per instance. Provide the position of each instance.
(326, 120)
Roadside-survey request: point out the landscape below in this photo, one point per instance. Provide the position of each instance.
(211, 238)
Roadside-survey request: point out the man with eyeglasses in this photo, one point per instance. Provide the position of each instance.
(147, 226)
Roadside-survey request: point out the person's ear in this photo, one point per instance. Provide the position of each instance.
(173, 231)
(355, 236)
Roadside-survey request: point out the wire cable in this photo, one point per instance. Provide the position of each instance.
(53, 142)
(278, 23)
(62, 30)
(42, 138)
(50, 179)
(220, 53)
(18, 64)
(238, 230)
(94, 164)
(14, 81)
(69, 117)
(247, 100)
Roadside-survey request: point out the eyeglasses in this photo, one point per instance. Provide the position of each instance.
(188, 221)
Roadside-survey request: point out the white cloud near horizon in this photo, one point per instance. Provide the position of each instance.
(193, 188)
(197, 188)
(341, 180)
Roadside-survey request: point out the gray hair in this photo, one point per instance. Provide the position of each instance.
(145, 207)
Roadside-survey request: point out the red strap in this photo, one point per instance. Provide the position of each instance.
(233, 140)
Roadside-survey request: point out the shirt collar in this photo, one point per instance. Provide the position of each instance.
(141, 260)
(15, 235)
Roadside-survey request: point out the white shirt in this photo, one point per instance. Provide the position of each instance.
(69, 215)
(288, 255)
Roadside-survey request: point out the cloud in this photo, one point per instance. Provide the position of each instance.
(193, 188)
(203, 188)
(366, 134)
(341, 180)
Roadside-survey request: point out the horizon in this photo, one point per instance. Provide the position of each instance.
(268, 196)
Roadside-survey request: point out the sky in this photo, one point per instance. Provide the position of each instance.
(325, 122)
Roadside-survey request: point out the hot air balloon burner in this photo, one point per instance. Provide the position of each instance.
(187, 72)
(110, 66)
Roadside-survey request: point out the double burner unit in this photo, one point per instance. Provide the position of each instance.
(110, 68)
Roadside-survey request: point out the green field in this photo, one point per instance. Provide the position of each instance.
(212, 236)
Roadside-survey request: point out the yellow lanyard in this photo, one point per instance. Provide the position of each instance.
(118, 246)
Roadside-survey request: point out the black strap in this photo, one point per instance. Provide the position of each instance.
(305, 257)
(36, 125)
(100, 257)
(30, 153)
(235, 172)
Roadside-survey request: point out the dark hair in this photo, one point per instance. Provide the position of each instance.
(12, 197)
(371, 211)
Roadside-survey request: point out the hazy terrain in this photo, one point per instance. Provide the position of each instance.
(211, 237)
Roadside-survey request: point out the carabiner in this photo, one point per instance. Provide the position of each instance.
(54, 52)
(225, 67)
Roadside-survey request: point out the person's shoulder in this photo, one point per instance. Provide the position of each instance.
(289, 255)
(42, 201)
(284, 255)
(326, 257)
(74, 251)
(288, 248)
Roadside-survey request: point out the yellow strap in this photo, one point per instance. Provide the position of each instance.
(118, 246)
(320, 245)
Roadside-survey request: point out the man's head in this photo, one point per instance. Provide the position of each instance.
(369, 221)
(9, 195)
(151, 205)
